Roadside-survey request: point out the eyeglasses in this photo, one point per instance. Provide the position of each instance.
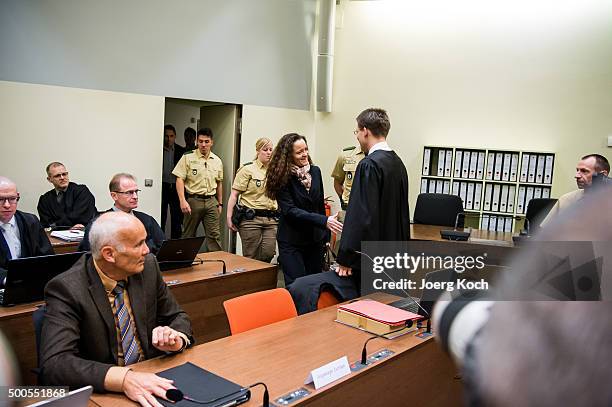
(11, 199)
(60, 175)
(132, 192)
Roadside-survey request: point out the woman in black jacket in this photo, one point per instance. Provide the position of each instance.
(303, 228)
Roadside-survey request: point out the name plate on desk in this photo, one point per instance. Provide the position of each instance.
(326, 374)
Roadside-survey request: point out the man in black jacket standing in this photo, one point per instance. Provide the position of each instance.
(67, 204)
(378, 208)
(172, 154)
(21, 234)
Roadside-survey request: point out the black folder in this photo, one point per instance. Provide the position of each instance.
(203, 385)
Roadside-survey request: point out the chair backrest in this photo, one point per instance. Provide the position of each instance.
(38, 317)
(537, 209)
(327, 299)
(438, 209)
(258, 309)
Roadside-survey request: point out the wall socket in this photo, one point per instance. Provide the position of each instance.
(148, 182)
(609, 141)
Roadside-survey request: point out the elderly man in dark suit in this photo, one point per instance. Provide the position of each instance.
(112, 309)
(21, 234)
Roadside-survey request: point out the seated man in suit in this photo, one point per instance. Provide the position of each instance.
(124, 191)
(588, 166)
(88, 338)
(67, 204)
(21, 234)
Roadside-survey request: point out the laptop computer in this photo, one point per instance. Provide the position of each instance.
(75, 398)
(27, 277)
(178, 253)
(428, 296)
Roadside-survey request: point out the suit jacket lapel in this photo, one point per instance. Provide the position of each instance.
(139, 309)
(314, 186)
(98, 294)
(26, 249)
(4, 249)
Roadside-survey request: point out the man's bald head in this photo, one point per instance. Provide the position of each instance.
(109, 229)
(8, 199)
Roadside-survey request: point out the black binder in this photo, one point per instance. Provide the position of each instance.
(203, 385)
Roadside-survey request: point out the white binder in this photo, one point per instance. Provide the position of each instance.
(465, 165)
(540, 169)
(480, 165)
(537, 192)
(473, 164)
(495, 198)
(477, 196)
(432, 186)
(503, 199)
(492, 223)
(448, 163)
(484, 224)
(528, 197)
(545, 192)
(426, 161)
(508, 225)
(487, 197)
(470, 196)
(532, 168)
(457, 170)
(524, 168)
(548, 168)
(456, 188)
(446, 188)
(514, 167)
(506, 167)
(463, 192)
(499, 161)
(490, 165)
(424, 185)
(441, 157)
(520, 200)
(511, 192)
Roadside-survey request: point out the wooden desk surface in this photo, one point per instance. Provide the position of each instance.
(479, 236)
(61, 246)
(283, 354)
(200, 291)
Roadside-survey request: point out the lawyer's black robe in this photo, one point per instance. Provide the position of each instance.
(378, 207)
(78, 206)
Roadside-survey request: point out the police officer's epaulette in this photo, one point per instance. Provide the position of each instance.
(188, 152)
(245, 164)
(349, 148)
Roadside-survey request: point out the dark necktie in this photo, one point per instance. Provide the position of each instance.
(126, 327)
(60, 197)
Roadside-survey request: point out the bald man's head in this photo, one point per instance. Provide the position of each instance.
(118, 243)
(8, 199)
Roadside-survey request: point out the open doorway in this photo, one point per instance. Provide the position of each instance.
(224, 120)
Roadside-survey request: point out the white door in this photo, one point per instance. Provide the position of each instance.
(223, 121)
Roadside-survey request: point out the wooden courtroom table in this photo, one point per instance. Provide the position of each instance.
(200, 291)
(282, 355)
(479, 236)
(61, 246)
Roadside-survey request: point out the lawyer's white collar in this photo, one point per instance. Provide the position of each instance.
(382, 145)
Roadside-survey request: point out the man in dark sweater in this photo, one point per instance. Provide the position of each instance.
(67, 204)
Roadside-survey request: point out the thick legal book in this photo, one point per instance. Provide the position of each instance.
(375, 317)
(204, 386)
(69, 235)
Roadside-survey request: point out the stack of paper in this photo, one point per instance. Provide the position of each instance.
(69, 235)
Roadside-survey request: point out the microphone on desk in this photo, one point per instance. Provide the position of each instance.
(456, 234)
(364, 351)
(202, 261)
(408, 296)
(176, 395)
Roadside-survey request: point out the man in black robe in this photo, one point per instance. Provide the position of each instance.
(67, 204)
(124, 191)
(378, 208)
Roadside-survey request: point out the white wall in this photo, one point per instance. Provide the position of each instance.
(94, 133)
(511, 75)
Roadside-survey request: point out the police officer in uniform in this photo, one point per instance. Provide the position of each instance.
(256, 213)
(199, 176)
(343, 174)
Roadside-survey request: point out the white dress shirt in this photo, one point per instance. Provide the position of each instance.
(11, 235)
(380, 146)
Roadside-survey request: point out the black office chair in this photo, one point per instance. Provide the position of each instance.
(38, 318)
(438, 209)
(537, 209)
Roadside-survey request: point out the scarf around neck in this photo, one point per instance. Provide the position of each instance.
(303, 174)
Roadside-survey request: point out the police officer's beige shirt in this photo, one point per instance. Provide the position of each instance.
(201, 175)
(250, 182)
(345, 168)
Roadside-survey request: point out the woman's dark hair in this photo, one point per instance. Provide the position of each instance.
(279, 169)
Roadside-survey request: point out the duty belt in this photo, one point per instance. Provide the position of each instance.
(200, 196)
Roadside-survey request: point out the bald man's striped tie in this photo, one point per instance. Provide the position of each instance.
(126, 326)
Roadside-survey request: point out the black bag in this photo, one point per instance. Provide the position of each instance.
(242, 212)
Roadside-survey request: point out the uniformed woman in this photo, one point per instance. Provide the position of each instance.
(256, 215)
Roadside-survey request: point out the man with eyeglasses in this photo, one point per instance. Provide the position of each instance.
(124, 191)
(21, 234)
(67, 205)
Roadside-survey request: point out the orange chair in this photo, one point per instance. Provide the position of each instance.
(326, 299)
(258, 309)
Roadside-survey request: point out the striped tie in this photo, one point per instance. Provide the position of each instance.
(128, 341)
